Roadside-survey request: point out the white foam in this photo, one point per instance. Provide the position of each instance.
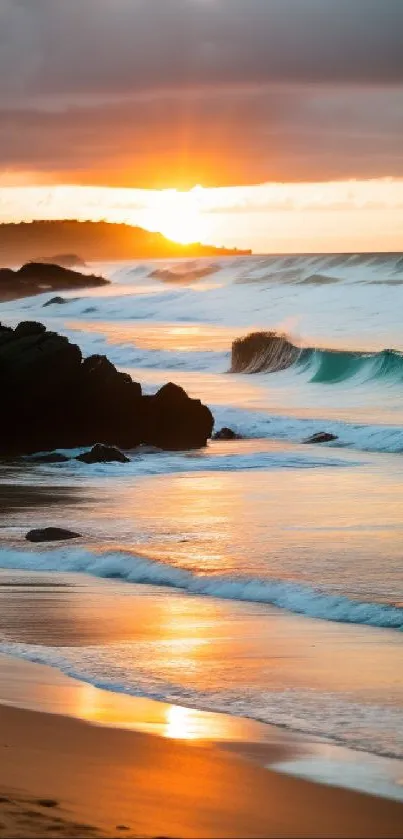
(294, 597)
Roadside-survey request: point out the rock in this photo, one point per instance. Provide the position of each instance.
(227, 434)
(321, 437)
(52, 398)
(52, 457)
(55, 300)
(173, 421)
(103, 454)
(261, 352)
(51, 534)
(36, 277)
(29, 327)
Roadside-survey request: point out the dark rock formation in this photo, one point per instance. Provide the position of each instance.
(52, 398)
(56, 301)
(37, 277)
(103, 454)
(263, 352)
(51, 534)
(52, 457)
(227, 434)
(173, 421)
(321, 437)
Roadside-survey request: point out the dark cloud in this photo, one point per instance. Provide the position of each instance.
(218, 91)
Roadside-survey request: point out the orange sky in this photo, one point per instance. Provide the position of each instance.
(336, 216)
(288, 112)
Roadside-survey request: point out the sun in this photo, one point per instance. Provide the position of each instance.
(178, 215)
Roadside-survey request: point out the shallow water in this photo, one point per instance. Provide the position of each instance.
(295, 531)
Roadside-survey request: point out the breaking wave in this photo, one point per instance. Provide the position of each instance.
(270, 352)
(294, 597)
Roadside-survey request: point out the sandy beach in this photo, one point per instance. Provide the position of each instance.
(125, 782)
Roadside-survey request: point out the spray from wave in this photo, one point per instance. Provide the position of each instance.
(263, 352)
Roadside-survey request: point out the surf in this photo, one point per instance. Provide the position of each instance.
(295, 597)
(271, 352)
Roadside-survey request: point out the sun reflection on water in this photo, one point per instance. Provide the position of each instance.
(180, 725)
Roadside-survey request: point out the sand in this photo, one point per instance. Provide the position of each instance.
(110, 778)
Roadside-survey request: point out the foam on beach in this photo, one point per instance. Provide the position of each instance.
(294, 597)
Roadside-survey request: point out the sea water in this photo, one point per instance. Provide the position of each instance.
(298, 546)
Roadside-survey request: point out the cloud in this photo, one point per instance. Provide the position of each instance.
(159, 92)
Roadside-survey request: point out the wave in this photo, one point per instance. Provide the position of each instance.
(375, 729)
(270, 352)
(263, 352)
(292, 596)
(184, 272)
(131, 355)
(294, 429)
(321, 269)
(332, 366)
(148, 462)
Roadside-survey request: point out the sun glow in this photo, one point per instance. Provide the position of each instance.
(178, 215)
(355, 215)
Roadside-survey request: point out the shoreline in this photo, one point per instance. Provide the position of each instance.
(42, 688)
(106, 775)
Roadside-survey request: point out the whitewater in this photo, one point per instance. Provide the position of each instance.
(250, 529)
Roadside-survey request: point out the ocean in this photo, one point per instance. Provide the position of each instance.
(262, 577)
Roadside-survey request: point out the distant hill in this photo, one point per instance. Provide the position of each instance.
(36, 240)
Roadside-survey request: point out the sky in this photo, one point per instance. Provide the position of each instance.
(288, 114)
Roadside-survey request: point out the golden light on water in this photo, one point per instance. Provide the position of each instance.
(179, 723)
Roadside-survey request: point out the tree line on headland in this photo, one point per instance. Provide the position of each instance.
(24, 241)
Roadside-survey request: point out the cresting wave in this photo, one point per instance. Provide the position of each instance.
(270, 352)
(297, 598)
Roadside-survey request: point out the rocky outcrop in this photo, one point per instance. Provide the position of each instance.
(103, 454)
(58, 301)
(173, 421)
(227, 434)
(51, 534)
(52, 398)
(37, 277)
(321, 437)
(263, 352)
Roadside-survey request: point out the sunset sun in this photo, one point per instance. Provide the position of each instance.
(178, 215)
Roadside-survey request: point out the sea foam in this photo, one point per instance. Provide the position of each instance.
(292, 596)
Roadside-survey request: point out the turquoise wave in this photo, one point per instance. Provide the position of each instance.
(333, 366)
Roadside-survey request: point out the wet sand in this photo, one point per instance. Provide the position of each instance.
(108, 777)
(130, 767)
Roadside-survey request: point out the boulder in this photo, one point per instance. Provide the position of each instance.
(227, 434)
(321, 437)
(37, 277)
(29, 327)
(52, 398)
(103, 454)
(55, 301)
(173, 421)
(51, 534)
